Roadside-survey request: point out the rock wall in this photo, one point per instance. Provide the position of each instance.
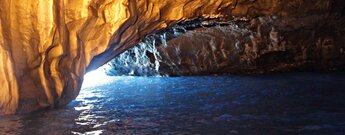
(256, 45)
(47, 46)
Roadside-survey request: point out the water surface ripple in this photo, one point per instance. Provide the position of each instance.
(294, 103)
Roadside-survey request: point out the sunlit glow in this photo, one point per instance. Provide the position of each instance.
(95, 78)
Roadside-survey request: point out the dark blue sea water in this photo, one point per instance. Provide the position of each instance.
(291, 103)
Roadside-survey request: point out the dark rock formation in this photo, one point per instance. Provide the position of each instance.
(255, 45)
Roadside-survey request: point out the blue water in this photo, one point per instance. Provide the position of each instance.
(293, 103)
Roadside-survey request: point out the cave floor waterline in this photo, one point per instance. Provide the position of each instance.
(288, 103)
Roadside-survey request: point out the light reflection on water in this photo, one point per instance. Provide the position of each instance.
(296, 103)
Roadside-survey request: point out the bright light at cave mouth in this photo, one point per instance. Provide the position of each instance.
(95, 78)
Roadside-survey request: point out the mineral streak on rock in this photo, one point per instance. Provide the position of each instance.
(48, 45)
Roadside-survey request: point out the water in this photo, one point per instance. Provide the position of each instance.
(294, 103)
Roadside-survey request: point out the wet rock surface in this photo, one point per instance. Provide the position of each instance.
(254, 45)
(295, 103)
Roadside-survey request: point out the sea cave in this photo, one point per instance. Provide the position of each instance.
(172, 67)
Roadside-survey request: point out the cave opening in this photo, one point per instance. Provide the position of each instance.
(176, 67)
(142, 91)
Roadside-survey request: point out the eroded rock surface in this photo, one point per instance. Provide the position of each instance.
(256, 45)
(47, 46)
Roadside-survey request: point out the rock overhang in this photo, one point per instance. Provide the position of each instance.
(47, 46)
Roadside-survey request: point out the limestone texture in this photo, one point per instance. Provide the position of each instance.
(46, 46)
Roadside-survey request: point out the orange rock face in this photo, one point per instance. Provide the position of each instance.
(46, 46)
